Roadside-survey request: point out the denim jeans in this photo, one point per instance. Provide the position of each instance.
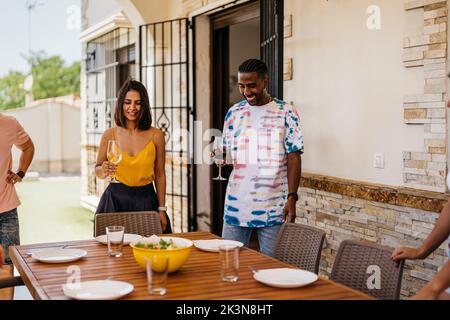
(9, 231)
(267, 236)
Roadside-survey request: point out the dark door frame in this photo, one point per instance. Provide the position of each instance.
(221, 92)
(272, 43)
(235, 15)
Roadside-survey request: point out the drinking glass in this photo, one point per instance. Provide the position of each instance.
(114, 156)
(157, 269)
(115, 236)
(229, 262)
(219, 159)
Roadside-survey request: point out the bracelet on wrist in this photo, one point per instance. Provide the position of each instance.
(21, 174)
(293, 195)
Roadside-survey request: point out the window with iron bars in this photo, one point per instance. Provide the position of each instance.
(110, 60)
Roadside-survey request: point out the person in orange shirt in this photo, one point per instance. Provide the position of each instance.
(11, 134)
(139, 160)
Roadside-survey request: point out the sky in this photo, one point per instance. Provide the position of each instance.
(55, 28)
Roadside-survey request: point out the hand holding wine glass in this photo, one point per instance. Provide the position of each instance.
(114, 156)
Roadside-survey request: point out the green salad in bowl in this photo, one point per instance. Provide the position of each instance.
(161, 245)
(177, 249)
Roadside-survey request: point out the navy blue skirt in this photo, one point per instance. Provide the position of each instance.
(122, 198)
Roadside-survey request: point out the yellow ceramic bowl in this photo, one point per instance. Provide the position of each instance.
(177, 257)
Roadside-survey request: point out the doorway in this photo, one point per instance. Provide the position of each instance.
(235, 38)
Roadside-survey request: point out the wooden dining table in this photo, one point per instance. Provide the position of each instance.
(198, 279)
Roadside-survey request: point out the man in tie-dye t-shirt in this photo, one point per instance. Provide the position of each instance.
(264, 143)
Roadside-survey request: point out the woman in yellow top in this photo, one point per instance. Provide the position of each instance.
(143, 158)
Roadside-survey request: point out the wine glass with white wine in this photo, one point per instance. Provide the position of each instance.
(219, 158)
(114, 156)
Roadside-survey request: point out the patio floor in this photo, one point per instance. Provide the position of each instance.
(51, 211)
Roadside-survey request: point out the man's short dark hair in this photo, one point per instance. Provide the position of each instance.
(144, 118)
(254, 65)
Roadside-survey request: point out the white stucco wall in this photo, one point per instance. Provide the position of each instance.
(98, 10)
(55, 130)
(157, 11)
(71, 129)
(33, 120)
(203, 112)
(348, 86)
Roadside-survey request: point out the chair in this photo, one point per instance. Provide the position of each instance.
(358, 262)
(7, 284)
(300, 245)
(144, 223)
(11, 282)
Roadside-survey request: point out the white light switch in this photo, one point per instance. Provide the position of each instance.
(378, 161)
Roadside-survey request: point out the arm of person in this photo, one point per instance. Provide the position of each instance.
(26, 158)
(293, 144)
(438, 235)
(436, 286)
(104, 168)
(160, 175)
(294, 172)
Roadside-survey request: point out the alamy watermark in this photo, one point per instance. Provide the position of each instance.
(74, 280)
(374, 20)
(73, 21)
(374, 280)
(262, 147)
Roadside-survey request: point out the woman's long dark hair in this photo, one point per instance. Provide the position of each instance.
(144, 118)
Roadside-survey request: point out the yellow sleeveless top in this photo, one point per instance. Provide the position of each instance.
(139, 170)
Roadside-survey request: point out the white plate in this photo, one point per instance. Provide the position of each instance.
(213, 245)
(58, 255)
(285, 277)
(98, 290)
(127, 238)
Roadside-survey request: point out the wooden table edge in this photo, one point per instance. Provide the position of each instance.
(36, 291)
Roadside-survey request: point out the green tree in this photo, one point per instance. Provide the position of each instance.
(51, 78)
(12, 94)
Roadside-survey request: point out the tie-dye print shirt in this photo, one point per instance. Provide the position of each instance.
(258, 140)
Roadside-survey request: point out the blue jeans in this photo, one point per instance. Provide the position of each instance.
(9, 232)
(267, 236)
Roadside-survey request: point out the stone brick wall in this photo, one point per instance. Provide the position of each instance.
(427, 169)
(345, 217)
